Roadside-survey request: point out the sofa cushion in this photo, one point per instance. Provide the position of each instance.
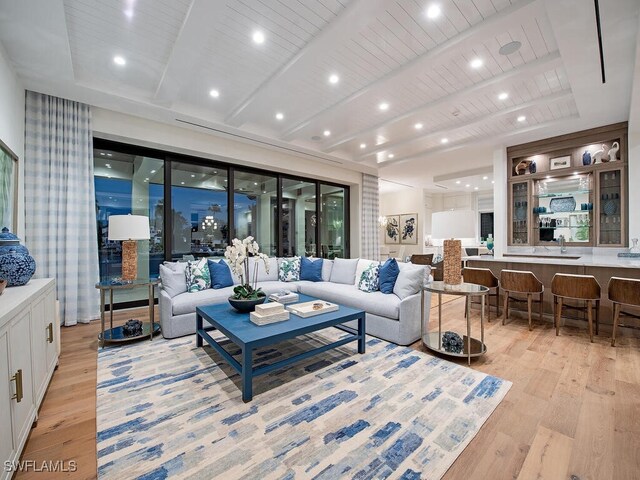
(220, 274)
(198, 277)
(187, 302)
(388, 274)
(274, 286)
(369, 280)
(327, 266)
(410, 279)
(376, 303)
(344, 271)
(173, 278)
(363, 264)
(311, 269)
(263, 276)
(289, 269)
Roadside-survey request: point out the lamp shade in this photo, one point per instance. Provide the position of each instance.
(453, 224)
(129, 227)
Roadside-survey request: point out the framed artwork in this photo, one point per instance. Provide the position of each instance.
(409, 229)
(392, 229)
(8, 188)
(560, 162)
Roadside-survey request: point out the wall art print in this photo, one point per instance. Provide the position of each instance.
(392, 229)
(409, 229)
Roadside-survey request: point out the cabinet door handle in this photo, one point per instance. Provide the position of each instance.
(50, 332)
(18, 379)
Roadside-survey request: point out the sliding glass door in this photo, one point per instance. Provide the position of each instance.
(333, 221)
(298, 218)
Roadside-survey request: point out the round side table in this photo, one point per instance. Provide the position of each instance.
(472, 347)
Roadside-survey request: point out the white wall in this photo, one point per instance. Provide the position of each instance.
(634, 150)
(12, 123)
(406, 200)
(127, 128)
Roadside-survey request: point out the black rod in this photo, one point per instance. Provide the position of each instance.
(599, 27)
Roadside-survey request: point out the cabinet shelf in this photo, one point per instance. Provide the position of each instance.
(571, 212)
(563, 194)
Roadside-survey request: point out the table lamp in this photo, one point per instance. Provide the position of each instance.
(129, 229)
(452, 225)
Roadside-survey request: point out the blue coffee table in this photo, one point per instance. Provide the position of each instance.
(240, 330)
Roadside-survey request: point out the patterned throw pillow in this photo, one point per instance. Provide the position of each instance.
(198, 276)
(370, 280)
(289, 269)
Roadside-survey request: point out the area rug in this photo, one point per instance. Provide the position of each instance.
(166, 409)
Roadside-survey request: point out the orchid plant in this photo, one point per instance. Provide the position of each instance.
(237, 255)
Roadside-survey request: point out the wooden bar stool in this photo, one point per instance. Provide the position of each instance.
(525, 283)
(623, 291)
(486, 278)
(577, 287)
(422, 259)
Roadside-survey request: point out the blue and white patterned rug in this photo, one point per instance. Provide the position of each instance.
(167, 409)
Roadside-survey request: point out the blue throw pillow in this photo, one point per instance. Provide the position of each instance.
(220, 274)
(388, 275)
(311, 269)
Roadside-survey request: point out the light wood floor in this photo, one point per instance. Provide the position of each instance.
(573, 411)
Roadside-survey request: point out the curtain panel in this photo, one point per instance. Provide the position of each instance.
(370, 209)
(60, 213)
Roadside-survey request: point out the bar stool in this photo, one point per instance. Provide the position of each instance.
(576, 287)
(516, 281)
(486, 278)
(623, 291)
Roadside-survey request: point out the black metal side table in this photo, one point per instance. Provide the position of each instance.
(116, 334)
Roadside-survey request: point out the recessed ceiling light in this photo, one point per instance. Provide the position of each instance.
(326, 133)
(214, 93)
(418, 126)
(485, 178)
(118, 60)
(193, 175)
(146, 179)
(475, 188)
(444, 140)
(493, 181)
(279, 116)
(522, 118)
(457, 182)
(467, 185)
(108, 165)
(109, 154)
(503, 96)
(255, 183)
(258, 37)
(102, 153)
(181, 183)
(476, 63)
(384, 106)
(333, 78)
(363, 145)
(153, 171)
(391, 155)
(433, 11)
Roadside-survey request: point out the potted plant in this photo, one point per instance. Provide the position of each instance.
(246, 295)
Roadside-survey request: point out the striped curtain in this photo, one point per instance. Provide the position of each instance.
(60, 211)
(370, 209)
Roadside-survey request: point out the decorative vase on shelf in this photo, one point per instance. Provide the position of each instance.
(586, 158)
(614, 151)
(16, 265)
(490, 243)
(634, 247)
(598, 154)
(532, 167)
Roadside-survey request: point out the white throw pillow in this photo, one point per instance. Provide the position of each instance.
(289, 269)
(327, 266)
(410, 280)
(173, 278)
(344, 271)
(263, 276)
(363, 264)
(369, 279)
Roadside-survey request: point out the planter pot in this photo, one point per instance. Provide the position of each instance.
(246, 306)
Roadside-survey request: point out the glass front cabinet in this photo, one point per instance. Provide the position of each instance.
(571, 188)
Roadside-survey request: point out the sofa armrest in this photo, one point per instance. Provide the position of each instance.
(410, 316)
(166, 308)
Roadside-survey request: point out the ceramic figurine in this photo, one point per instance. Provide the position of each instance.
(16, 265)
(532, 167)
(598, 154)
(614, 151)
(586, 158)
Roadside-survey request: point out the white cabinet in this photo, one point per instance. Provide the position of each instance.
(29, 334)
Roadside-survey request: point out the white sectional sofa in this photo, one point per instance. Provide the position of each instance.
(394, 317)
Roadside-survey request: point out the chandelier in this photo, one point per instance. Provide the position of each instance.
(209, 222)
(382, 221)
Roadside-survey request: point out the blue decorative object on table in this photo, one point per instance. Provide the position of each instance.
(562, 204)
(452, 342)
(586, 158)
(16, 265)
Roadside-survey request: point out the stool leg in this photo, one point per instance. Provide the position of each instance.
(558, 315)
(616, 315)
(529, 299)
(505, 310)
(597, 316)
(540, 306)
(497, 302)
(590, 318)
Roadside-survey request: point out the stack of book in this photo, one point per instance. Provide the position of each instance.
(288, 297)
(267, 313)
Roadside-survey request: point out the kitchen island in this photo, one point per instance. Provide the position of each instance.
(545, 264)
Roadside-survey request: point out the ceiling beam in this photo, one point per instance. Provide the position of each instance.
(185, 58)
(357, 15)
(498, 22)
(540, 65)
(502, 136)
(552, 98)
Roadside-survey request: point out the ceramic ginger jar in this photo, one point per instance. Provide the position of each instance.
(16, 265)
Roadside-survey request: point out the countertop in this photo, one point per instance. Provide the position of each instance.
(585, 260)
